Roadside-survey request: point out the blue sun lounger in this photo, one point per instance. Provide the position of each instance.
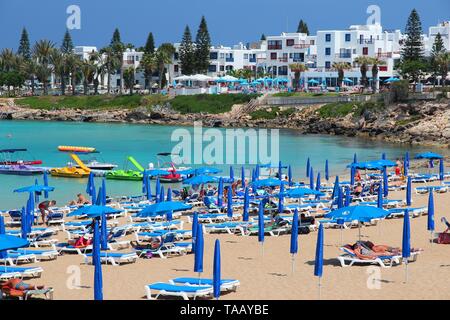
(115, 258)
(40, 254)
(185, 292)
(24, 272)
(225, 285)
(13, 258)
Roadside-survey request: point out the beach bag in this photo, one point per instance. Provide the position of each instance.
(444, 238)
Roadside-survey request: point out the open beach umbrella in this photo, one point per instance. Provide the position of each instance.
(385, 183)
(429, 156)
(98, 277)
(230, 203)
(294, 238)
(430, 221)
(281, 199)
(220, 193)
(35, 189)
(318, 264)
(270, 182)
(318, 182)
(441, 170)
(261, 226)
(311, 179)
(308, 168)
(194, 230)
(217, 281)
(380, 198)
(8, 242)
(406, 243)
(199, 248)
(327, 171)
(163, 207)
(46, 184)
(301, 192)
(409, 192)
(243, 177)
(93, 211)
(290, 175)
(200, 179)
(245, 216)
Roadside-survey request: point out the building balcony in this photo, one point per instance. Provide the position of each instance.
(274, 47)
(229, 59)
(343, 55)
(301, 46)
(283, 59)
(253, 60)
(366, 41)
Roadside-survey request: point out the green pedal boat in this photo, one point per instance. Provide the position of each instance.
(131, 175)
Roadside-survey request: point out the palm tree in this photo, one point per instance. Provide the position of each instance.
(247, 74)
(164, 57)
(58, 61)
(88, 72)
(98, 62)
(149, 64)
(376, 62)
(73, 63)
(41, 52)
(443, 61)
(340, 67)
(363, 62)
(297, 68)
(8, 60)
(111, 63)
(128, 77)
(30, 72)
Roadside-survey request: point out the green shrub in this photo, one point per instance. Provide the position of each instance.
(209, 103)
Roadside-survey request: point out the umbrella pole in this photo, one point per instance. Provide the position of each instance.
(342, 235)
(199, 278)
(359, 231)
(320, 288)
(293, 263)
(406, 270)
(431, 237)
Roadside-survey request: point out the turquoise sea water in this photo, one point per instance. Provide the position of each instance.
(117, 141)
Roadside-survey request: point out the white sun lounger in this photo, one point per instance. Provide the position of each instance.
(114, 258)
(185, 292)
(351, 258)
(226, 285)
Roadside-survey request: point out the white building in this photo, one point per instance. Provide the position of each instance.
(131, 59)
(84, 51)
(444, 29)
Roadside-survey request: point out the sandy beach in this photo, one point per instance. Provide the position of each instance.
(269, 276)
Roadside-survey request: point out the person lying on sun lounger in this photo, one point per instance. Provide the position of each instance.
(81, 242)
(18, 289)
(154, 244)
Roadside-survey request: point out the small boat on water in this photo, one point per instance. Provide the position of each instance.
(20, 170)
(164, 165)
(72, 172)
(6, 158)
(131, 175)
(92, 163)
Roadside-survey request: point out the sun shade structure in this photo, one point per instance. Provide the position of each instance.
(163, 207)
(93, 211)
(428, 155)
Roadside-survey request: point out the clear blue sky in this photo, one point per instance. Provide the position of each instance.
(229, 21)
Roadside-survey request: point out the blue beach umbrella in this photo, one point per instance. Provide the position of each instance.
(441, 169)
(301, 192)
(46, 184)
(335, 188)
(161, 194)
(231, 174)
(90, 184)
(103, 203)
(257, 171)
(385, 183)
(318, 264)
(8, 242)
(409, 192)
(157, 190)
(24, 223)
(406, 243)
(3, 253)
(407, 159)
(383, 156)
(318, 182)
(281, 199)
(93, 211)
(93, 195)
(308, 168)
(163, 207)
(340, 198)
(201, 179)
(245, 216)
(380, 198)
(253, 175)
(280, 170)
(217, 281)
(199, 248)
(194, 230)
(169, 195)
(268, 183)
(431, 163)
(355, 158)
(98, 277)
(352, 175)
(429, 156)
(290, 175)
(104, 233)
(220, 193)
(405, 168)
(230, 203)
(348, 197)
(430, 221)
(294, 238)
(311, 179)
(243, 177)
(261, 223)
(34, 189)
(98, 199)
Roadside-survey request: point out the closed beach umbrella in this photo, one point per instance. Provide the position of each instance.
(220, 193)
(30, 212)
(383, 156)
(98, 199)
(348, 197)
(294, 238)
(169, 194)
(103, 203)
(253, 175)
(199, 247)
(380, 198)
(161, 194)
(98, 277)
(243, 177)
(431, 163)
(245, 216)
(441, 169)
(90, 184)
(280, 170)
(327, 171)
(144, 182)
(308, 168)
(194, 230)
(257, 171)
(318, 183)
(430, 222)
(355, 158)
(281, 199)
(261, 224)
(148, 188)
(46, 184)
(157, 190)
(94, 195)
(405, 168)
(385, 183)
(104, 233)
(406, 243)
(407, 159)
(217, 281)
(352, 175)
(290, 175)
(231, 174)
(409, 192)
(24, 224)
(318, 265)
(340, 198)
(311, 179)
(3, 253)
(230, 203)
(336, 187)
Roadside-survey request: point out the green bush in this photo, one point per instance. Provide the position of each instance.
(341, 109)
(209, 103)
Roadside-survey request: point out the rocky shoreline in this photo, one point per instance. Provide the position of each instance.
(419, 123)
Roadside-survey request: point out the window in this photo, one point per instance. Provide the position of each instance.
(365, 51)
(273, 56)
(212, 68)
(383, 68)
(327, 65)
(222, 55)
(175, 55)
(327, 51)
(283, 71)
(274, 45)
(213, 56)
(222, 68)
(290, 42)
(328, 37)
(246, 56)
(176, 68)
(348, 37)
(312, 42)
(298, 57)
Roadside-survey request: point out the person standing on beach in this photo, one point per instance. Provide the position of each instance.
(44, 207)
